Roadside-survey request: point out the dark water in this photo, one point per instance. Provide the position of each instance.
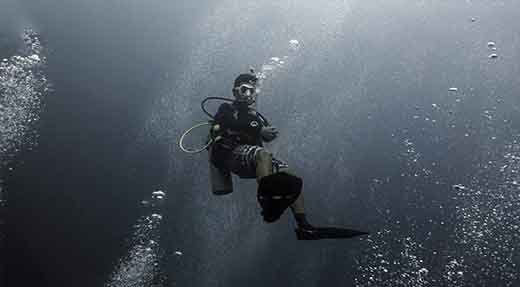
(369, 116)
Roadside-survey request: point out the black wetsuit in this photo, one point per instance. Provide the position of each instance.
(240, 125)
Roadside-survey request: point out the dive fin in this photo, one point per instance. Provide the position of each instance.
(276, 192)
(316, 233)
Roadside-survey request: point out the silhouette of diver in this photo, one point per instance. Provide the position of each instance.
(239, 132)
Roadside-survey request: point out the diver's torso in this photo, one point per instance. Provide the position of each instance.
(251, 124)
(241, 126)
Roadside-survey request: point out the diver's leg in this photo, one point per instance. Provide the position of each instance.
(264, 167)
(264, 164)
(298, 207)
(298, 211)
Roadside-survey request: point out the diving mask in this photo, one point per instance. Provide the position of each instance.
(246, 93)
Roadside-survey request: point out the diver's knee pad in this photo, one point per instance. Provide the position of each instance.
(276, 192)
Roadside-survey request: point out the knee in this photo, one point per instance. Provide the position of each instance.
(263, 156)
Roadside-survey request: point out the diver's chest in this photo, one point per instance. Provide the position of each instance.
(247, 118)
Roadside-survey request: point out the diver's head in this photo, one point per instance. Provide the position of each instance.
(245, 90)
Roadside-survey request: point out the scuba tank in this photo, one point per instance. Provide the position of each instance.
(220, 180)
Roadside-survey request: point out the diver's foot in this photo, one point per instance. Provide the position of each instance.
(306, 232)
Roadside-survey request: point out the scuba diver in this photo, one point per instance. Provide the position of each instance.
(238, 133)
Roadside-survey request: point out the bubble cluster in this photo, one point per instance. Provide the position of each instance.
(453, 273)
(158, 195)
(415, 167)
(142, 265)
(488, 219)
(477, 220)
(139, 269)
(294, 44)
(392, 261)
(22, 86)
(274, 63)
(492, 46)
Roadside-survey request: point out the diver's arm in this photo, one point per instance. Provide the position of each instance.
(268, 133)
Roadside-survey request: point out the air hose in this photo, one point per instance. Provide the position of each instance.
(206, 145)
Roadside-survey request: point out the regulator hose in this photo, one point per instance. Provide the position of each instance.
(206, 145)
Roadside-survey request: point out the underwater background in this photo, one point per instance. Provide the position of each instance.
(402, 118)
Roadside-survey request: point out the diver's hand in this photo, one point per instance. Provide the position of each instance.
(269, 133)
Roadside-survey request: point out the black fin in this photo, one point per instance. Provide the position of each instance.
(276, 192)
(316, 233)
